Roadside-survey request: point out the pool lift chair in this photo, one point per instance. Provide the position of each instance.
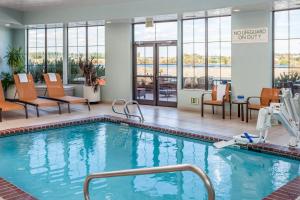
(287, 112)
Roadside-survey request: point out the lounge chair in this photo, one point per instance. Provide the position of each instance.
(220, 95)
(9, 106)
(267, 96)
(28, 95)
(56, 91)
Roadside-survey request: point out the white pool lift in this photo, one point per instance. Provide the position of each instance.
(287, 112)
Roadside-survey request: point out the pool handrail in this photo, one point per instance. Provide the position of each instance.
(152, 170)
(123, 101)
(126, 110)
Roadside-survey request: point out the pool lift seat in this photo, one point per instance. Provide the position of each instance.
(126, 111)
(287, 112)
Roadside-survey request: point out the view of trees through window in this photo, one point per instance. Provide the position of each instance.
(55, 50)
(45, 50)
(206, 59)
(36, 53)
(287, 48)
(85, 43)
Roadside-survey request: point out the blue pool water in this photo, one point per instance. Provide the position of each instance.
(52, 164)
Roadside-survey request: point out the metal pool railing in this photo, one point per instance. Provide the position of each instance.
(153, 170)
(126, 110)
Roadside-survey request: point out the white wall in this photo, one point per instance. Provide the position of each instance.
(252, 63)
(118, 71)
(18, 38)
(6, 42)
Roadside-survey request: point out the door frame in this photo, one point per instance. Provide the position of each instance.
(155, 45)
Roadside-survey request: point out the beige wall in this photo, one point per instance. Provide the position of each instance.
(118, 71)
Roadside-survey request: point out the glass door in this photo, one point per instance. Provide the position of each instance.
(155, 73)
(144, 74)
(167, 75)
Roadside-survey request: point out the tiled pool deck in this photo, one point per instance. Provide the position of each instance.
(10, 192)
(291, 190)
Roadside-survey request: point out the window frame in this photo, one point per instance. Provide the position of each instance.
(274, 40)
(45, 64)
(206, 42)
(86, 26)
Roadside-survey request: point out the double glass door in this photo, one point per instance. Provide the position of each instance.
(155, 73)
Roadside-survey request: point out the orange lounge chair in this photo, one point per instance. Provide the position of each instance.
(9, 106)
(55, 90)
(28, 95)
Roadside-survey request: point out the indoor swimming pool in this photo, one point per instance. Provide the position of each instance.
(53, 164)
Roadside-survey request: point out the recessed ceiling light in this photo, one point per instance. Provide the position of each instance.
(236, 10)
(7, 25)
(108, 22)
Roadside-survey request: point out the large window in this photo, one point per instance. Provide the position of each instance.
(76, 50)
(161, 31)
(206, 52)
(45, 51)
(46, 45)
(55, 50)
(286, 48)
(85, 43)
(36, 53)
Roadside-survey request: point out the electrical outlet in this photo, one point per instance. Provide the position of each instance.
(194, 100)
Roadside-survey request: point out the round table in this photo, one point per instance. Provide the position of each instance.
(240, 104)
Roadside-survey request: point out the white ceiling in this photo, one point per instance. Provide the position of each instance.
(31, 5)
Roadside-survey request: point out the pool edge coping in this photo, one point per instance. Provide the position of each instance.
(268, 148)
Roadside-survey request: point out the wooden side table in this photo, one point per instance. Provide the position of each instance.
(240, 104)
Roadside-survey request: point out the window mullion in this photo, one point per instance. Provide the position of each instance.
(206, 53)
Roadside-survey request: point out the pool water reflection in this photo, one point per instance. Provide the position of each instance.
(52, 164)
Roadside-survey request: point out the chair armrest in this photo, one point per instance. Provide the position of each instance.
(205, 93)
(224, 97)
(253, 97)
(274, 101)
(11, 100)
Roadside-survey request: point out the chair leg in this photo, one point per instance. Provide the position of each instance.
(247, 114)
(202, 112)
(223, 110)
(59, 108)
(88, 104)
(250, 115)
(37, 111)
(230, 105)
(69, 109)
(0, 115)
(26, 111)
(213, 110)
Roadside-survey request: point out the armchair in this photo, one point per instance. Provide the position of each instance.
(215, 101)
(267, 96)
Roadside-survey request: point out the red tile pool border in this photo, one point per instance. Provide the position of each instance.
(290, 191)
(10, 192)
(293, 153)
